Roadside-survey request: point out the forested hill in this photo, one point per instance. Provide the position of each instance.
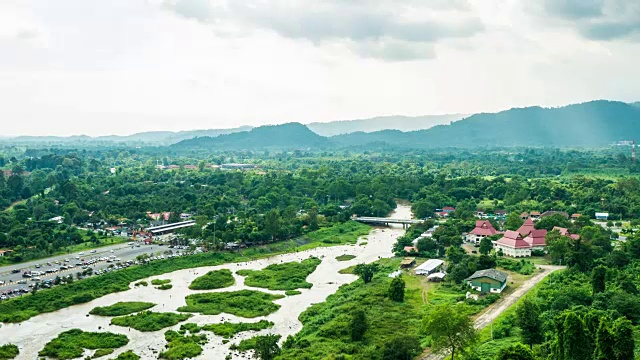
(402, 123)
(287, 136)
(591, 124)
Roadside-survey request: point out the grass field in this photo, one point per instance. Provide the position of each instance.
(287, 276)
(150, 321)
(217, 279)
(244, 303)
(121, 308)
(71, 344)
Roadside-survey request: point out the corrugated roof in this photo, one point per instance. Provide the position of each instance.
(490, 273)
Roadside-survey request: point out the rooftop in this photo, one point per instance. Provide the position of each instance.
(490, 273)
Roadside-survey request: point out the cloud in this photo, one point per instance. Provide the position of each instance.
(598, 19)
(382, 29)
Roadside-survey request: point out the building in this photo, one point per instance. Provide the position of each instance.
(488, 281)
(527, 227)
(409, 249)
(602, 216)
(483, 229)
(408, 262)
(512, 244)
(429, 267)
(575, 216)
(554, 212)
(536, 239)
(190, 167)
(524, 216)
(534, 215)
(500, 214)
(436, 277)
(566, 232)
(4, 252)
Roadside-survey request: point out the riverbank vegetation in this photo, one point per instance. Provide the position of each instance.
(150, 321)
(121, 308)
(128, 355)
(157, 282)
(71, 344)
(8, 351)
(287, 276)
(216, 279)
(345, 257)
(183, 344)
(228, 329)
(244, 303)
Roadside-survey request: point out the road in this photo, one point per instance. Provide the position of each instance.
(498, 308)
(122, 251)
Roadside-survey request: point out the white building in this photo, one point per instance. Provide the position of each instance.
(430, 266)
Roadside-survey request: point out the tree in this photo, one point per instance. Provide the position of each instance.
(267, 347)
(548, 222)
(400, 348)
(575, 344)
(485, 246)
(622, 330)
(365, 271)
(450, 328)
(528, 319)
(513, 221)
(427, 244)
(598, 283)
(358, 325)
(396, 289)
(273, 224)
(455, 254)
(604, 342)
(515, 352)
(557, 246)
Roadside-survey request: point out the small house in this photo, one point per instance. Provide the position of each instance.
(429, 267)
(4, 252)
(488, 281)
(410, 249)
(575, 216)
(436, 277)
(408, 262)
(602, 216)
(534, 215)
(483, 229)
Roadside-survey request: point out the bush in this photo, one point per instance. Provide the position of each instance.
(181, 346)
(213, 280)
(164, 287)
(287, 276)
(292, 292)
(523, 267)
(71, 344)
(150, 321)
(249, 344)
(244, 303)
(345, 257)
(228, 330)
(128, 355)
(8, 351)
(102, 352)
(121, 308)
(160, 281)
(141, 283)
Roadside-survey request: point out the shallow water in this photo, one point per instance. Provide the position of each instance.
(33, 334)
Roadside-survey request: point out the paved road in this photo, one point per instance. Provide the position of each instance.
(122, 251)
(498, 308)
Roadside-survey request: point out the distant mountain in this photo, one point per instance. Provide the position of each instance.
(591, 124)
(286, 136)
(158, 138)
(403, 123)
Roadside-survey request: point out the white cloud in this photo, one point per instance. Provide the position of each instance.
(123, 66)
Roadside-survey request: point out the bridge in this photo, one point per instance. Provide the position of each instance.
(386, 221)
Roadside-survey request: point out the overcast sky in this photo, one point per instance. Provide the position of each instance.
(123, 66)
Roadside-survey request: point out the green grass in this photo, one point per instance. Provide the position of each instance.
(128, 355)
(121, 308)
(287, 276)
(71, 344)
(345, 257)
(141, 283)
(102, 352)
(213, 280)
(228, 329)
(164, 287)
(59, 297)
(150, 321)
(8, 351)
(364, 243)
(247, 344)
(160, 281)
(181, 345)
(244, 303)
(292, 292)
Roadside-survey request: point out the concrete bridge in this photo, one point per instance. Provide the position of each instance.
(386, 221)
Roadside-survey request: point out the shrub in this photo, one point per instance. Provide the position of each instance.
(287, 276)
(70, 344)
(181, 346)
(160, 281)
(128, 355)
(250, 344)
(292, 292)
(121, 308)
(102, 352)
(164, 287)
(213, 280)
(245, 303)
(228, 329)
(345, 257)
(8, 351)
(150, 321)
(523, 267)
(141, 283)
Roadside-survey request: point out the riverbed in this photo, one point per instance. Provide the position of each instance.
(33, 334)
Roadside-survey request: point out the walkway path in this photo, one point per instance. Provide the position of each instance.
(494, 311)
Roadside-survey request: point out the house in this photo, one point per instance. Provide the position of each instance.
(483, 229)
(534, 215)
(4, 252)
(575, 216)
(500, 214)
(430, 266)
(58, 219)
(536, 239)
(449, 209)
(524, 216)
(512, 244)
(436, 277)
(566, 232)
(409, 249)
(527, 227)
(408, 262)
(553, 212)
(488, 281)
(190, 167)
(602, 216)
(185, 216)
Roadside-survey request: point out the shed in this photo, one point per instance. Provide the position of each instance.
(430, 266)
(407, 262)
(436, 277)
(489, 280)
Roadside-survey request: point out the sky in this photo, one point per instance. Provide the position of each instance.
(100, 67)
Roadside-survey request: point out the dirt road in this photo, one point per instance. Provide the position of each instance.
(498, 308)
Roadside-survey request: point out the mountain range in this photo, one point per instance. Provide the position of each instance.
(591, 124)
(402, 123)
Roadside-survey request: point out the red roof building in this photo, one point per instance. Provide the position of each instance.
(512, 244)
(536, 239)
(526, 228)
(448, 209)
(566, 232)
(409, 249)
(483, 229)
